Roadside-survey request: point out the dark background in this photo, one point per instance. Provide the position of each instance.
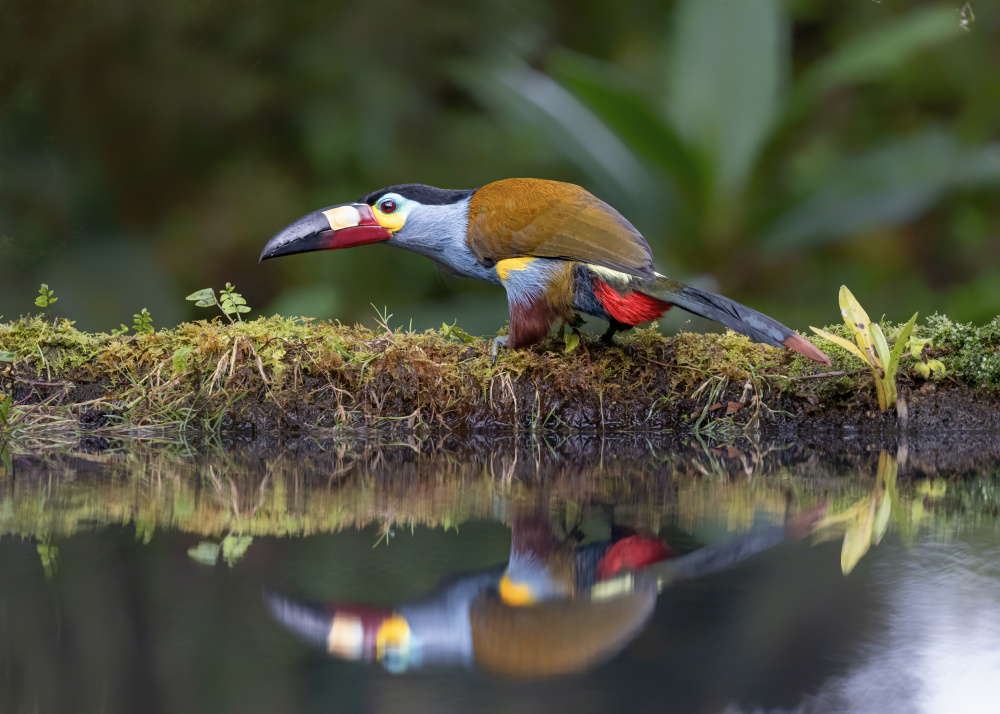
(771, 150)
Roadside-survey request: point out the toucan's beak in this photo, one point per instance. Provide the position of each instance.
(343, 226)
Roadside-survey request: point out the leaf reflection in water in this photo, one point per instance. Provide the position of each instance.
(866, 521)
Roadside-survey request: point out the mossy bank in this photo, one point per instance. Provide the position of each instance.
(280, 374)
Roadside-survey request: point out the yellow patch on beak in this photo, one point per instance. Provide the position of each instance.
(394, 635)
(342, 217)
(515, 594)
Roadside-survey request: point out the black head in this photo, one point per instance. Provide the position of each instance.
(422, 194)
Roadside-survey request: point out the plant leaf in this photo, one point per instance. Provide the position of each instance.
(881, 520)
(572, 342)
(180, 359)
(205, 552)
(7, 356)
(847, 345)
(881, 188)
(917, 344)
(901, 342)
(204, 298)
(539, 101)
(881, 345)
(857, 319)
(726, 79)
(234, 548)
(858, 538)
(610, 93)
(876, 53)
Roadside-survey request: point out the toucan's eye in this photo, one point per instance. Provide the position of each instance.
(387, 206)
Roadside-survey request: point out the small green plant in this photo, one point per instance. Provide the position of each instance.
(230, 302)
(142, 323)
(453, 332)
(49, 555)
(871, 347)
(232, 548)
(572, 341)
(926, 368)
(46, 298)
(382, 318)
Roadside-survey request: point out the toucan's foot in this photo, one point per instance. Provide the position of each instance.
(609, 338)
(614, 326)
(583, 345)
(498, 342)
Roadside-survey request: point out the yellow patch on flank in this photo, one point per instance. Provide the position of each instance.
(504, 267)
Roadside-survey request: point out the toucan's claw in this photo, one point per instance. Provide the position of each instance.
(498, 342)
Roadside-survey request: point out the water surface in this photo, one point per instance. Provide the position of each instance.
(505, 573)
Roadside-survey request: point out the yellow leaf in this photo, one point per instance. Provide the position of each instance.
(850, 514)
(849, 346)
(936, 366)
(857, 319)
(917, 345)
(858, 538)
(932, 489)
(881, 519)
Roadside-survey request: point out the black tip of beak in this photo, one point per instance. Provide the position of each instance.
(298, 237)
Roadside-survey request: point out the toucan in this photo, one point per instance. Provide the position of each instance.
(554, 247)
(558, 605)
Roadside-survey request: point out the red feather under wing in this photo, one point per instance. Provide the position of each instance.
(629, 308)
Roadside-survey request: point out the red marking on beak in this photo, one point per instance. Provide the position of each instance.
(367, 230)
(343, 226)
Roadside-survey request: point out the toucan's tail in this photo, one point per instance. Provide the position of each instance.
(740, 318)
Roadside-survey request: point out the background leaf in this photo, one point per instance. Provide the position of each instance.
(882, 188)
(726, 79)
(876, 53)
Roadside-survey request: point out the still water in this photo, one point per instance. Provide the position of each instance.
(581, 574)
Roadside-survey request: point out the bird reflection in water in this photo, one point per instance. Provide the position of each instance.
(557, 606)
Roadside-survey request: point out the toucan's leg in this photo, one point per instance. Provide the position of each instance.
(498, 342)
(583, 343)
(613, 326)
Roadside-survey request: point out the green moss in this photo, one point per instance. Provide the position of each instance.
(276, 373)
(971, 353)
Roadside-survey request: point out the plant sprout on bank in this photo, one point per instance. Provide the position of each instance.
(46, 298)
(871, 348)
(230, 303)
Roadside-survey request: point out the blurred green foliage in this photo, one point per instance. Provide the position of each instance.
(779, 149)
